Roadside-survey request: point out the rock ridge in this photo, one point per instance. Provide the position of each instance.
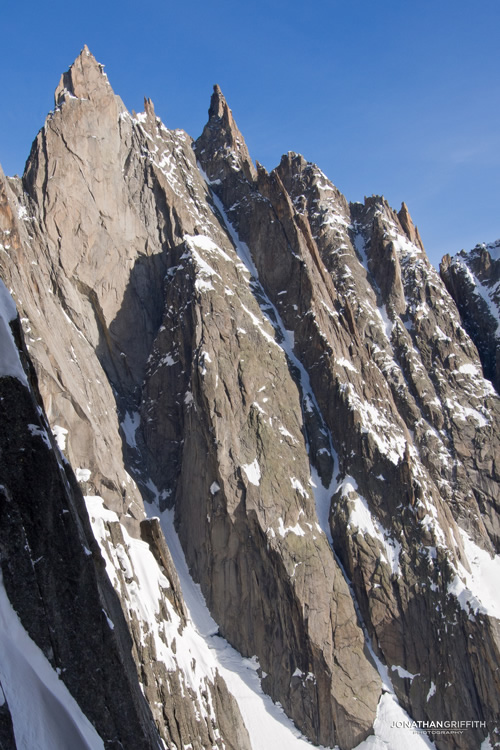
(254, 379)
(473, 280)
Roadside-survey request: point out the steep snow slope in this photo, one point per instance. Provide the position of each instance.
(56, 721)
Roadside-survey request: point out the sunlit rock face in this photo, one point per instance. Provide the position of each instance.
(284, 378)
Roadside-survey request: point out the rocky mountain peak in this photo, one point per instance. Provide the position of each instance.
(267, 394)
(218, 105)
(221, 142)
(409, 228)
(149, 107)
(85, 79)
(293, 161)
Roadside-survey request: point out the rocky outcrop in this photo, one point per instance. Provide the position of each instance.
(76, 245)
(395, 377)
(473, 280)
(246, 516)
(285, 375)
(408, 227)
(52, 568)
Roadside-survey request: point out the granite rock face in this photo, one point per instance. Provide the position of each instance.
(284, 377)
(413, 424)
(52, 568)
(473, 280)
(70, 264)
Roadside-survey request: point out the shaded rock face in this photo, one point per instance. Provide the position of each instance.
(287, 376)
(473, 280)
(54, 576)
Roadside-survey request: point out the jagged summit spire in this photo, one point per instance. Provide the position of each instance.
(222, 136)
(408, 226)
(149, 107)
(85, 79)
(218, 104)
(220, 116)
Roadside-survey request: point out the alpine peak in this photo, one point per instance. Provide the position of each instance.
(85, 79)
(221, 138)
(218, 104)
(255, 391)
(408, 226)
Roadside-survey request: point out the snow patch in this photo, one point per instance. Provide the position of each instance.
(259, 325)
(129, 426)
(486, 744)
(470, 369)
(360, 517)
(204, 269)
(345, 363)
(242, 248)
(202, 285)
(283, 431)
(60, 434)
(284, 530)
(403, 673)
(204, 360)
(82, 475)
(390, 730)
(477, 592)
(465, 413)
(253, 472)
(388, 437)
(204, 243)
(298, 486)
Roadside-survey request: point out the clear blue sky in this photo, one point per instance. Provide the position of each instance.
(390, 97)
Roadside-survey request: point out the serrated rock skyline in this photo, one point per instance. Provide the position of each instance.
(285, 377)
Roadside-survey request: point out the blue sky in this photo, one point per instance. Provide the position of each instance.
(393, 98)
